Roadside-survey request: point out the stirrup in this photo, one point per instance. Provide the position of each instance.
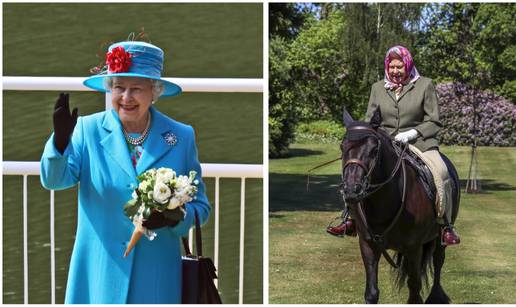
(342, 218)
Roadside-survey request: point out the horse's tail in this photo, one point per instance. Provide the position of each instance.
(426, 266)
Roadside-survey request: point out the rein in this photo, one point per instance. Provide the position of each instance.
(400, 162)
(316, 167)
(379, 239)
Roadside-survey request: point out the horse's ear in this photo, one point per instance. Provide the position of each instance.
(346, 117)
(376, 119)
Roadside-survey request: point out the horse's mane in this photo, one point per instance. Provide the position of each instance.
(384, 136)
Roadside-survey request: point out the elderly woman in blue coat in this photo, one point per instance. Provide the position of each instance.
(104, 153)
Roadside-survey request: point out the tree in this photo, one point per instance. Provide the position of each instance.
(333, 60)
(495, 46)
(317, 68)
(339, 55)
(285, 19)
(470, 43)
(304, 75)
(282, 115)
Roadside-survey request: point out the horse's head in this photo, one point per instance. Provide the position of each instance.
(360, 154)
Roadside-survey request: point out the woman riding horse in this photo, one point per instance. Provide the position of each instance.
(409, 108)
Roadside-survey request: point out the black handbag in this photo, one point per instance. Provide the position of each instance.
(198, 274)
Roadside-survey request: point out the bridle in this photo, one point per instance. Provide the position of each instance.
(370, 188)
(368, 170)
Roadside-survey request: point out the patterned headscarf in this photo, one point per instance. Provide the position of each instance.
(410, 68)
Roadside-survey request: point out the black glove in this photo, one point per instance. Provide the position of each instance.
(64, 122)
(166, 218)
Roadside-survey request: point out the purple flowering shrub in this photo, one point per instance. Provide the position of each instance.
(495, 121)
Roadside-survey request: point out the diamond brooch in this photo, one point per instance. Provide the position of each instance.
(170, 138)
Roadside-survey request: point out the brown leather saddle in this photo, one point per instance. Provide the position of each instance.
(425, 175)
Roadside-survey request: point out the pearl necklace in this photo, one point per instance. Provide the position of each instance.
(139, 140)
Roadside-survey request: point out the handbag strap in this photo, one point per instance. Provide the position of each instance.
(198, 239)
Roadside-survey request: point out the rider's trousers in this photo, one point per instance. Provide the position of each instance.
(442, 180)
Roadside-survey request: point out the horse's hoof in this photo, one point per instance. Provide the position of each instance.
(437, 296)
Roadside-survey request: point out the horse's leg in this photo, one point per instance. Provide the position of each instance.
(370, 258)
(437, 294)
(414, 282)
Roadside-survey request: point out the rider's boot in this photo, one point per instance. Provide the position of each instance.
(347, 227)
(449, 236)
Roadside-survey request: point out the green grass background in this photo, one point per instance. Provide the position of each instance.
(308, 266)
(200, 40)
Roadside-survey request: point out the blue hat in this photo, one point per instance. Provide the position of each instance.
(133, 59)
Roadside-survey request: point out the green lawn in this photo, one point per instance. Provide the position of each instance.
(309, 266)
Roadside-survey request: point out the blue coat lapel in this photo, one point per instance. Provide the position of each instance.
(114, 143)
(155, 146)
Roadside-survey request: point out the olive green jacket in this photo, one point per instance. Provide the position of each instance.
(416, 108)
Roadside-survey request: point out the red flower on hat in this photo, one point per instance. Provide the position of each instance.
(118, 60)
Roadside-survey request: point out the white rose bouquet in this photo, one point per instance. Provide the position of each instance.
(159, 190)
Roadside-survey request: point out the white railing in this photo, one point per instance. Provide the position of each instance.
(209, 170)
(219, 85)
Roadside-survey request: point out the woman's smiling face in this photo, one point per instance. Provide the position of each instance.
(397, 70)
(131, 98)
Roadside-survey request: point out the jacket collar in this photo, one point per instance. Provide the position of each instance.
(155, 145)
(405, 90)
(114, 143)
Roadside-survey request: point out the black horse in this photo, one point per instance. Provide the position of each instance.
(392, 210)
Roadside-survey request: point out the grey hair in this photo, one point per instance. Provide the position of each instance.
(157, 87)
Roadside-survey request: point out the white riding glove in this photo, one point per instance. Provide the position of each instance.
(406, 136)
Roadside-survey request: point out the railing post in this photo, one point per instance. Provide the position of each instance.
(108, 101)
(25, 247)
(242, 242)
(216, 243)
(52, 250)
